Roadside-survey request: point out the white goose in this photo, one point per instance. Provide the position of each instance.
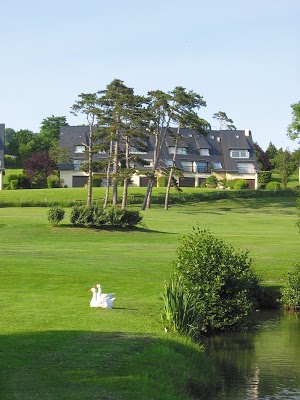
(105, 300)
(94, 302)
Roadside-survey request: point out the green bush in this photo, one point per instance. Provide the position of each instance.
(18, 181)
(290, 292)
(264, 177)
(97, 181)
(219, 282)
(116, 216)
(240, 184)
(162, 181)
(88, 216)
(211, 181)
(54, 181)
(273, 186)
(95, 216)
(14, 184)
(132, 218)
(55, 215)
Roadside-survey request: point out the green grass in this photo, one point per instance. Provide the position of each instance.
(54, 346)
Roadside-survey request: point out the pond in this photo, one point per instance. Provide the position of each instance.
(260, 365)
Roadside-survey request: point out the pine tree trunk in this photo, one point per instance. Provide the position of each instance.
(90, 166)
(115, 172)
(172, 169)
(108, 176)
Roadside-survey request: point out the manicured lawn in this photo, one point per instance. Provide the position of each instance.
(54, 346)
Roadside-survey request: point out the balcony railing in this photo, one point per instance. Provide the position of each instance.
(198, 170)
(246, 170)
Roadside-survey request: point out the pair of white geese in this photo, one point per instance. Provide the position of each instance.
(99, 299)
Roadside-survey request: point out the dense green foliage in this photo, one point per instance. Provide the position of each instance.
(216, 283)
(211, 181)
(240, 184)
(273, 186)
(17, 181)
(95, 216)
(291, 289)
(55, 215)
(264, 177)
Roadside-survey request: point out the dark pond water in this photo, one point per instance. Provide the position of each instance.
(263, 364)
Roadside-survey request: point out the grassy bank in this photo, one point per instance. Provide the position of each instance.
(53, 345)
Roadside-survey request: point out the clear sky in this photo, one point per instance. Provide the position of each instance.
(242, 56)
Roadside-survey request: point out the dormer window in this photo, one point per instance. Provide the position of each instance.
(204, 152)
(134, 150)
(217, 165)
(80, 149)
(239, 153)
(180, 150)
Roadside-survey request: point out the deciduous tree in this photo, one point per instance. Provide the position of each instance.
(38, 167)
(293, 130)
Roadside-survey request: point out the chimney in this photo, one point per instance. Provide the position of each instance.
(247, 132)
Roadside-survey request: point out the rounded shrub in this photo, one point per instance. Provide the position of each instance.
(53, 181)
(214, 283)
(88, 216)
(264, 177)
(273, 186)
(162, 181)
(240, 184)
(56, 215)
(211, 181)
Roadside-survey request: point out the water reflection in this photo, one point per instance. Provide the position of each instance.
(260, 365)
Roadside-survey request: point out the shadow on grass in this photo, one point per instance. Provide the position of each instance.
(96, 365)
(107, 228)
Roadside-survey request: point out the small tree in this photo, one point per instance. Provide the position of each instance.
(38, 167)
(293, 130)
(284, 165)
(217, 280)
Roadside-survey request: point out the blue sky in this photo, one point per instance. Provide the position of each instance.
(241, 56)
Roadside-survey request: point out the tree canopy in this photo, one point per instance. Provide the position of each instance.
(293, 130)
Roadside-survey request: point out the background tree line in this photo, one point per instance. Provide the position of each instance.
(120, 120)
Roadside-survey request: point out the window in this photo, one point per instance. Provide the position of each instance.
(239, 153)
(217, 165)
(204, 152)
(77, 164)
(80, 149)
(134, 150)
(169, 163)
(187, 166)
(246, 168)
(201, 167)
(180, 150)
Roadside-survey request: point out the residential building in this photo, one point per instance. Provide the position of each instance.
(225, 154)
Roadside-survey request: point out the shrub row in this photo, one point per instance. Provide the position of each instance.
(95, 216)
(178, 198)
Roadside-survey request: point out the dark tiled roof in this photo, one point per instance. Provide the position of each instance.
(219, 144)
